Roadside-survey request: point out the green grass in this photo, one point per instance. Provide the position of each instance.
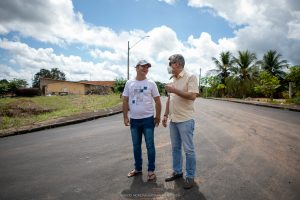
(295, 100)
(61, 106)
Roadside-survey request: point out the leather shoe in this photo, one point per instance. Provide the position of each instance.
(173, 177)
(188, 183)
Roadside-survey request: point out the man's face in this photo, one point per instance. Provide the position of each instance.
(176, 69)
(142, 69)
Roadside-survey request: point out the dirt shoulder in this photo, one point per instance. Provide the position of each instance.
(77, 118)
(293, 107)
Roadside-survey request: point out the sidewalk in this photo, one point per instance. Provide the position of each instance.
(292, 107)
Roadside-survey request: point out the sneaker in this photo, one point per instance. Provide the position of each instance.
(173, 177)
(188, 183)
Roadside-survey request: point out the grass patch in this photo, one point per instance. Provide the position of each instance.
(295, 100)
(17, 112)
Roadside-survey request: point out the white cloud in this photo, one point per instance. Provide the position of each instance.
(31, 60)
(113, 63)
(7, 71)
(106, 55)
(267, 25)
(294, 26)
(259, 26)
(52, 22)
(168, 1)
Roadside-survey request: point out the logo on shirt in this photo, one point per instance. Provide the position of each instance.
(138, 95)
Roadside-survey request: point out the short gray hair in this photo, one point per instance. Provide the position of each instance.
(178, 58)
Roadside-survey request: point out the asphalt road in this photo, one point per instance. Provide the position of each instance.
(243, 152)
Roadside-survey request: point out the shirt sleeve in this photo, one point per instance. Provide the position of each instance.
(155, 92)
(193, 84)
(126, 90)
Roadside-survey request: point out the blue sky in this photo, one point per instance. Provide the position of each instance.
(87, 40)
(147, 14)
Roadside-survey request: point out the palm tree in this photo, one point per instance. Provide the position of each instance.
(223, 65)
(245, 65)
(246, 70)
(272, 64)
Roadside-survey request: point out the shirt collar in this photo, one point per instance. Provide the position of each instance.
(180, 75)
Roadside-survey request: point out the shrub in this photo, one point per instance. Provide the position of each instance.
(28, 92)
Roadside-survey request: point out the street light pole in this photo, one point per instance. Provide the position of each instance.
(128, 49)
(199, 81)
(128, 61)
(199, 77)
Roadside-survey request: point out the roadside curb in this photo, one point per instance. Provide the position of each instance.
(74, 119)
(278, 106)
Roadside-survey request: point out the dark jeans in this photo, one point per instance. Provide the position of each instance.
(139, 127)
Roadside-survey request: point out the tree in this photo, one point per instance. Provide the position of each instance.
(267, 84)
(4, 81)
(233, 87)
(160, 87)
(245, 65)
(246, 70)
(294, 74)
(272, 64)
(119, 85)
(11, 86)
(210, 85)
(223, 65)
(3, 89)
(221, 87)
(54, 74)
(17, 83)
(294, 77)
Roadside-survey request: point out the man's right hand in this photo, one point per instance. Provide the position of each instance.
(126, 121)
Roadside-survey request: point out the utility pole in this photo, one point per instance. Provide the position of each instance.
(128, 49)
(199, 81)
(128, 61)
(290, 90)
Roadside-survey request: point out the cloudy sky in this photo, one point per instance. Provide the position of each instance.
(87, 39)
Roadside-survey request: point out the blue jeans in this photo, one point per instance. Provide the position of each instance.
(181, 134)
(139, 127)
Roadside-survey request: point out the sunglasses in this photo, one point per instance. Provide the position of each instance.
(145, 66)
(173, 62)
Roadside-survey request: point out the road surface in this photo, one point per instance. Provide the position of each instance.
(243, 152)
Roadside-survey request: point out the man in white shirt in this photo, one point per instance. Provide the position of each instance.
(138, 98)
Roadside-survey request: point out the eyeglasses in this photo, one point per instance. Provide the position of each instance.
(173, 62)
(145, 66)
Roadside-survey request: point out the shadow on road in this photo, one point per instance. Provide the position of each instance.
(181, 193)
(140, 189)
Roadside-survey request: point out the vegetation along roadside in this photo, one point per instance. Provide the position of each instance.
(17, 112)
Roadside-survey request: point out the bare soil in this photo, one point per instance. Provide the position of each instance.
(22, 108)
